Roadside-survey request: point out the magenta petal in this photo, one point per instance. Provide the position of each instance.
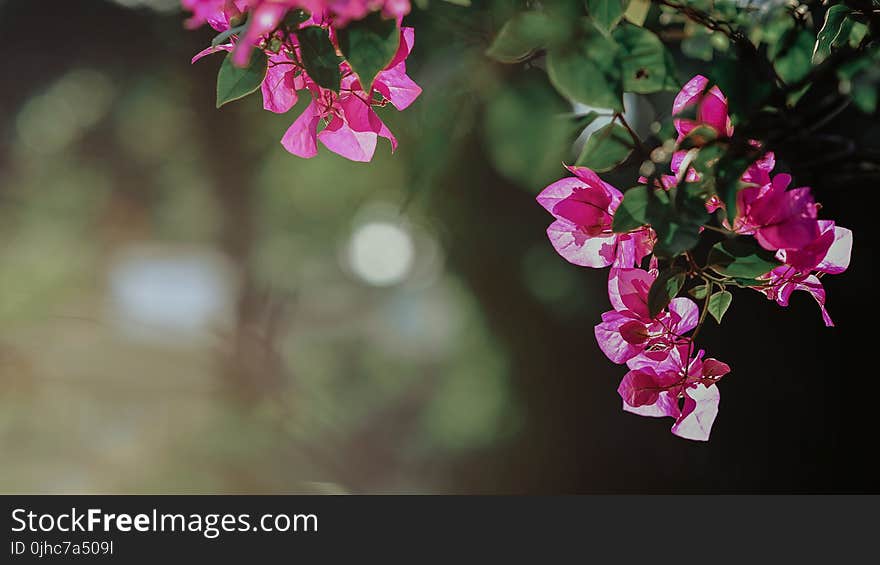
(340, 138)
(714, 368)
(557, 191)
(628, 290)
(355, 136)
(579, 249)
(407, 40)
(278, 88)
(666, 405)
(690, 93)
(812, 285)
(837, 259)
(698, 414)
(397, 87)
(610, 339)
(632, 247)
(713, 111)
(301, 137)
(686, 312)
(639, 388)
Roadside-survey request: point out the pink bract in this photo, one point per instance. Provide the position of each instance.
(828, 254)
(654, 390)
(710, 106)
(584, 207)
(629, 331)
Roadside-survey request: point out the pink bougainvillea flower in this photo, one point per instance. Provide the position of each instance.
(584, 207)
(654, 390)
(629, 331)
(710, 106)
(828, 254)
(352, 129)
(778, 218)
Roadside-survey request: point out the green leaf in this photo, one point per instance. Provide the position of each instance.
(319, 57)
(632, 212)
(664, 289)
(697, 43)
(607, 147)
(237, 82)
(521, 36)
(644, 59)
(606, 13)
(529, 130)
(865, 97)
(792, 55)
(637, 11)
(369, 45)
(671, 82)
(676, 217)
(835, 30)
(588, 71)
(741, 257)
(719, 303)
(700, 291)
(583, 122)
(675, 237)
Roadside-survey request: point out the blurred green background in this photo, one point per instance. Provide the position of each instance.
(185, 307)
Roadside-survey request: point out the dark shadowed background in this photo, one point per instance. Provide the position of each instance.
(185, 307)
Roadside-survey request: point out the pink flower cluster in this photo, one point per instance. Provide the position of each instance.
(781, 220)
(351, 127)
(668, 376)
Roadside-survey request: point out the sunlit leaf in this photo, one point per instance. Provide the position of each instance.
(235, 82)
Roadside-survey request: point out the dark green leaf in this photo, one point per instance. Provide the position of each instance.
(236, 82)
(792, 55)
(835, 29)
(369, 45)
(676, 217)
(582, 122)
(664, 289)
(632, 212)
(741, 257)
(319, 57)
(528, 130)
(606, 13)
(607, 147)
(588, 71)
(643, 59)
(671, 82)
(698, 44)
(719, 303)
(521, 36)
(675, 237)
